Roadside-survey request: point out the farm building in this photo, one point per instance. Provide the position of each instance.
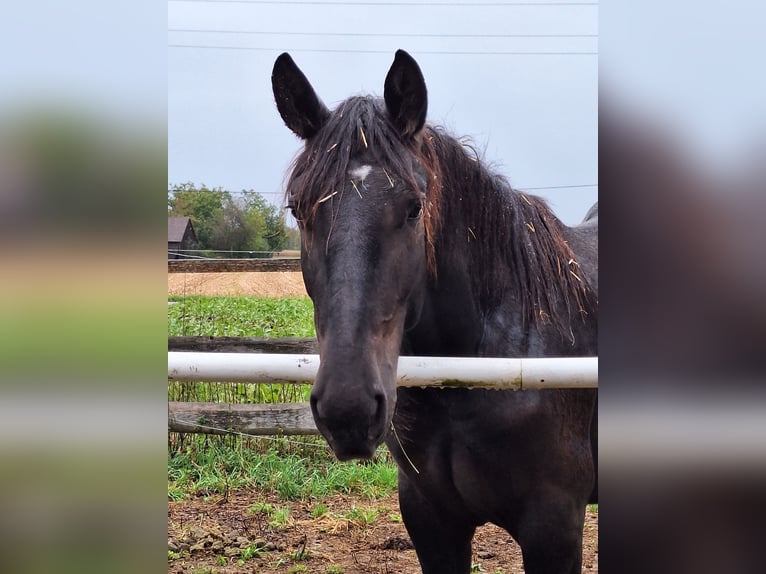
(180, 236)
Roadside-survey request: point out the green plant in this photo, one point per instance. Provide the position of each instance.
(319, 509)
(250, 551)
(261, 508)
(297, 568)
(221, 560)
(214, 465)
(241, 316)
(334, 569)
(280, 518)
(365, 516)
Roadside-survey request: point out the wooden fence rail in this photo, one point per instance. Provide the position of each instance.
(260, 419)
(208, 344)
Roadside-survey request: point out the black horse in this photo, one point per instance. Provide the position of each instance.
(410, 245)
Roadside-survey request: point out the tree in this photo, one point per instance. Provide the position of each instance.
(246, 222)
(273, 220)
(203, 206)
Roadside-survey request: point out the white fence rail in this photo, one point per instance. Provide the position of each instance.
(461, 372)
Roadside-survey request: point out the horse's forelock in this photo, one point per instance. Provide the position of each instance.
(360, 125)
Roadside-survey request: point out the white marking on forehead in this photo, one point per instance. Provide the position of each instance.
(361, 172)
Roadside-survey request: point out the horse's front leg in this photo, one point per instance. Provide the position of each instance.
(442, 539)
(550, 533)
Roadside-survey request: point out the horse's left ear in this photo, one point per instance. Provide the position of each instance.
(405, 95)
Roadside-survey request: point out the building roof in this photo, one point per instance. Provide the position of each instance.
(177, 228)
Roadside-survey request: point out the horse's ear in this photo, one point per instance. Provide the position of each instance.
(405, 95)
(301, 109)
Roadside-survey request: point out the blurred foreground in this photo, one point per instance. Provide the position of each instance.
(83, 419)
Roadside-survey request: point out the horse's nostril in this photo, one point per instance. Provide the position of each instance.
(380, 408)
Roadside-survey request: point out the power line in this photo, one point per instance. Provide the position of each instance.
(380, 34)
(345, 51)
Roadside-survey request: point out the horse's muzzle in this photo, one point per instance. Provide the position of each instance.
(353, 426)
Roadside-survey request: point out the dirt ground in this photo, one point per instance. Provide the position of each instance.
(272, 284)
(233, 536)
(229, 535)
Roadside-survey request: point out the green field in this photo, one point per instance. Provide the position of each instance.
(293, 467)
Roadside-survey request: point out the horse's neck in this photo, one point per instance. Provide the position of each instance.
(450, 319)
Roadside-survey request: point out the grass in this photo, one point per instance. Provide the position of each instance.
(318, 509)
(206, 466)
(294, 468)
(241, 316)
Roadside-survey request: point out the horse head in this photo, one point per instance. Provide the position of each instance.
(359, 193)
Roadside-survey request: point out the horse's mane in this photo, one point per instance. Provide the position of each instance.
(514, 240)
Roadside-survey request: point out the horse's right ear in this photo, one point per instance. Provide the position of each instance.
(302, 111)
(405, 95)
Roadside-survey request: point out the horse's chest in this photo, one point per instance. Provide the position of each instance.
(459, 445)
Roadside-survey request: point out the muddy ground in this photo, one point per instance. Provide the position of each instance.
(233, 535)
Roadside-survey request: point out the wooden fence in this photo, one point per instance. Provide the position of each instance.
(223, 265)
(252, 419)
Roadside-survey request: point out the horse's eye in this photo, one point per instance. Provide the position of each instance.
(294, 213)
(415, 211)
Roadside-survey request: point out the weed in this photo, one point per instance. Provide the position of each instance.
(280, 519)
(277, 563)
(319, 509)
(250, 551)
(365, 516)
(297, 568)
(395, 517)
(261, 508)
(299, 555)
(221, 560)
(334, 569)
(173, 555)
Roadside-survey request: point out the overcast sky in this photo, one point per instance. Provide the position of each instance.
(521, 81)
